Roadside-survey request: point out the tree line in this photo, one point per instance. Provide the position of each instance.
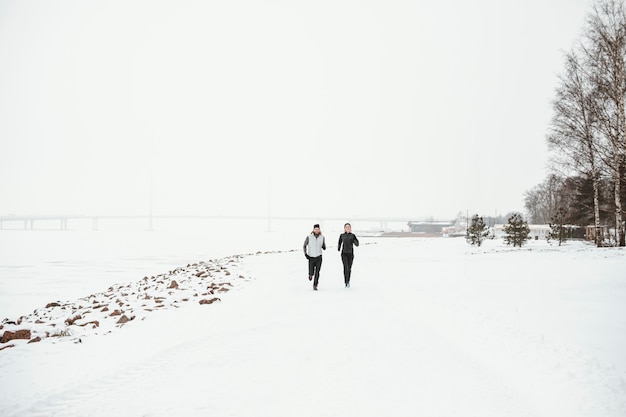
(587, 133)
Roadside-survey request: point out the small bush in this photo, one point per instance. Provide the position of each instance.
(516, 231)
(477, 231)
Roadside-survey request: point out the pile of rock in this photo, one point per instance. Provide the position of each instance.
(101, 313)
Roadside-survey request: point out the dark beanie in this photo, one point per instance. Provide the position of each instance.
(316, 226)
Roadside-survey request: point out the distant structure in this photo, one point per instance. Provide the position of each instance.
(458, 227)
(429, 226)
(463, 220)
(537, 231)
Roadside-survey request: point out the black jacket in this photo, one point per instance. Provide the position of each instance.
(347, 240)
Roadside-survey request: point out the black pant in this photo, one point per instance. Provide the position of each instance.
(347, 259)
(314, 268)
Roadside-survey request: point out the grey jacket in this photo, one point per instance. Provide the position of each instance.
(313, 245)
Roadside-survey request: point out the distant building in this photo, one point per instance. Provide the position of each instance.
(458, 227)
(429, 226)
(603, 231)
(537, 231)
(541, 231)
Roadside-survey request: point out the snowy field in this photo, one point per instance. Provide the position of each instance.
(429, 327)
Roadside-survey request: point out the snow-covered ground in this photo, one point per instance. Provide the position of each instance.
(429, 327)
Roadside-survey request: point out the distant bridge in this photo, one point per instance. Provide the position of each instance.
(63, 220)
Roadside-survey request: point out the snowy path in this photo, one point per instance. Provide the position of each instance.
(417, 334)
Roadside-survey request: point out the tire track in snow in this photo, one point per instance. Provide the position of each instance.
(87, 400)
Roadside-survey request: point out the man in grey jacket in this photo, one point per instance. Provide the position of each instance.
(313, 246)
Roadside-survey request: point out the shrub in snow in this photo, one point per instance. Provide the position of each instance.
(477, 231)
(516, 231)
(558, 230)
(61, 333)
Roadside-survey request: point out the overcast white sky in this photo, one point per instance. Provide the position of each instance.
(346, 108)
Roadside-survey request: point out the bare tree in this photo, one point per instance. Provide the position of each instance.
(542, 201)
(605, 54)
(573, 129)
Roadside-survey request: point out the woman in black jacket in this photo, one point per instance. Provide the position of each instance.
(347, 241)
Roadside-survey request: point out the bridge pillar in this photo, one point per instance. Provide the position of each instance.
(94, 224)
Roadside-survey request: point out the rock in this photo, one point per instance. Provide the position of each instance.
(19, 334)
(6, 347)
(50, 305)
(123, 320)
(69, 321)
(211, 301)
(173, 284)
(35, 340)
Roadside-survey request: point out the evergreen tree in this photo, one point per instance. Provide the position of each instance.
(558, 231)
(516, 231)
(477, 231)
